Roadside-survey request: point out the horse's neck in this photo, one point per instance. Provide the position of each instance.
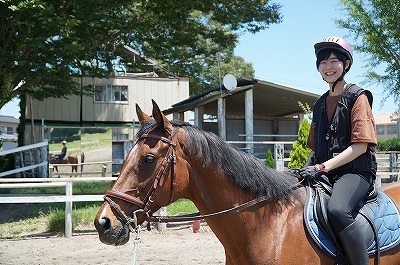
(252, 226)
(212, 192)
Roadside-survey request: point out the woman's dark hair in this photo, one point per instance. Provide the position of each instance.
(324, 55)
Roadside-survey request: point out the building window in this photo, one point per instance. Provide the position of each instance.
(392, 129)
(110, 93)
(380, 129)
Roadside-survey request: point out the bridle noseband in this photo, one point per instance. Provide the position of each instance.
(144, 205)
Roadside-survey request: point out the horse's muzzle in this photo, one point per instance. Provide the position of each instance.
(111, 234)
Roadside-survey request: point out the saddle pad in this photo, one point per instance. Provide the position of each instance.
(383, 212)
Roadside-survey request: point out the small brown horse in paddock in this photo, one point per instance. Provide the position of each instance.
(173, 160)
(70, 159)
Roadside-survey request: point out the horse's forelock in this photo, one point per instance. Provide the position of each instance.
(145, 127)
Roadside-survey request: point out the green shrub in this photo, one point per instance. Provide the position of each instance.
(56, 222)
(300, 153)
(86, 215)
(269, 160)
(389, 145)
(6, 162)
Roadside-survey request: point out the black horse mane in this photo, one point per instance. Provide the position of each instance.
(243, 169)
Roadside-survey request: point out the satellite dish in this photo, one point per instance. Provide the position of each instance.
(229, 81)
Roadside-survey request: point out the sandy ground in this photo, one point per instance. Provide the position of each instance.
(177, 245)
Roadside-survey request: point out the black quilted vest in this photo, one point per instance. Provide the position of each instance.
(334, 137)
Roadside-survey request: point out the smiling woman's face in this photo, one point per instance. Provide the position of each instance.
(332, 68)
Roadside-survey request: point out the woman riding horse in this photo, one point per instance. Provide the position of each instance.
(176, 160)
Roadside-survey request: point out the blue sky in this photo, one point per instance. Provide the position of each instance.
(284, 53)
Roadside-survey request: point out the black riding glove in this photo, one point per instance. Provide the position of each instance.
(311, 172)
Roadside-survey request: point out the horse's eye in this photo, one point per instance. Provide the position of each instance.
(150, 158)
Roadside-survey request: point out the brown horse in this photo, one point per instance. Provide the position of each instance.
(173, 160)
(70, 159)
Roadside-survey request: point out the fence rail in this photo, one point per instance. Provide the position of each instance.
(37, 159)
(68, 198)
(102, 172)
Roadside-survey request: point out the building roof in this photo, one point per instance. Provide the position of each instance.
(386, 119)
(8, 119)
(269, 100)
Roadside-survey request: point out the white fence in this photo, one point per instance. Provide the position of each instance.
(388, 167)
(30, 159)
(101, 172)
(68, 198)
(279, 149)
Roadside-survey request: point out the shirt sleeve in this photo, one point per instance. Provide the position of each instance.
(363, 128)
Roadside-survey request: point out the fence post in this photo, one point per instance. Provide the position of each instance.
(43, 158)
(103, 171)
(378, 181)
(393, 166)
(278, 156)
(162, 226)
(68, 211)
(51, 171)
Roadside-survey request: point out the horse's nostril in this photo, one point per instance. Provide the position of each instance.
(105, 223)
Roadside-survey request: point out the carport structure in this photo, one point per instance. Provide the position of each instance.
(254, 110)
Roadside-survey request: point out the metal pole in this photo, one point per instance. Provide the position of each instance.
(249, 126)
(219, 72)
(221, 118)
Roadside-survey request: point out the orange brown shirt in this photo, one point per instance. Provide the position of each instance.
(363, 128)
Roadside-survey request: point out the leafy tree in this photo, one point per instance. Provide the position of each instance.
(373, 25)
(300, 152)
(269, 159)
(306, 109)
(210, 77)
(44, 44)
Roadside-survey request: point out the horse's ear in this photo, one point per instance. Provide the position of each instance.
(141, 115)
(162, 121)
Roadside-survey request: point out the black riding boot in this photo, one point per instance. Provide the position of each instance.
(352, 239)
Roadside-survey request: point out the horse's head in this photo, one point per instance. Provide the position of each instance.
(148, 180)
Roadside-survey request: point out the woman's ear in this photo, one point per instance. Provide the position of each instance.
(347, 65)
